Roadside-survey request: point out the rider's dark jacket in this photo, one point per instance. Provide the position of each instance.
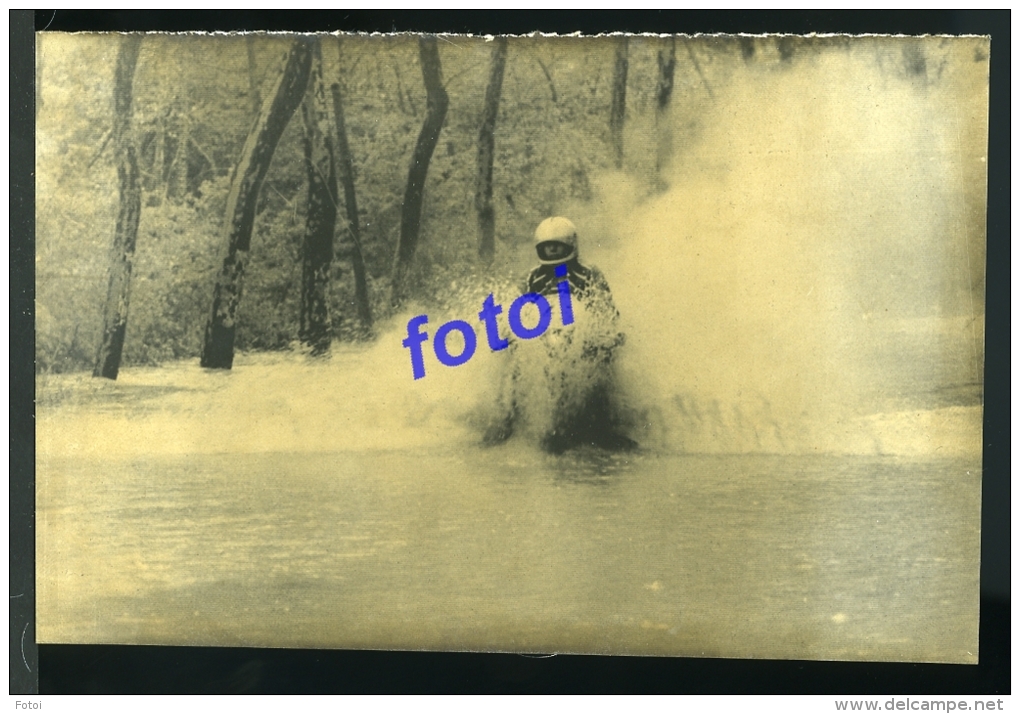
(587, 285)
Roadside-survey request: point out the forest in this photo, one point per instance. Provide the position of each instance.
(199, 195)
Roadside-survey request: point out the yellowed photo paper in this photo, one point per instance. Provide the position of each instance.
(628, 344)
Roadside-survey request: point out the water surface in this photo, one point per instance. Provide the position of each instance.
(511, 549)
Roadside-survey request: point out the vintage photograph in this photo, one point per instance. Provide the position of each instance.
(662, 345)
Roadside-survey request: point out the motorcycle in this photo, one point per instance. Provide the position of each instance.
(560, 389)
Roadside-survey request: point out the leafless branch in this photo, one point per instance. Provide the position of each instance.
(548, 77)
(106, 140)
(697, 68)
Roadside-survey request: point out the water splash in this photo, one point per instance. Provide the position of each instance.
(813, 261)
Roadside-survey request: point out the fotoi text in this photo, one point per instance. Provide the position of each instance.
(488, 317)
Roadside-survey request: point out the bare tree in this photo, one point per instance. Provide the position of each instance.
(486, 152)
(663, 99)
(177, 169)
(618, 106)
(320, 216)
(276, 112)
(435, 113)
(125, 235)
(253, 84)
(345, 161)
(697, 67)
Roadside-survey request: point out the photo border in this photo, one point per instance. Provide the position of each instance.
(138, 669)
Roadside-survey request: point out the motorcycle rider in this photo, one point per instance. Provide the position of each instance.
(557, 247)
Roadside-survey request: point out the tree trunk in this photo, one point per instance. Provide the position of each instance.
(279, 107)
(177, 180)
(346, 174)
(619, 101)
(663, 98)
(253, 84)
(410, 217)
(118, 295)
(486, 151)
(400, 87)
(320, 216)
(153, 178)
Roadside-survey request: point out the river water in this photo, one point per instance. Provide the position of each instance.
(180, 506)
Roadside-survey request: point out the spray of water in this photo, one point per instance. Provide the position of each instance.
(812, 264)
(812, 271)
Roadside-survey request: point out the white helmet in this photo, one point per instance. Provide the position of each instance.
(556, 230)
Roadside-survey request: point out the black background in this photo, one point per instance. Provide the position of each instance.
(81, 669)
